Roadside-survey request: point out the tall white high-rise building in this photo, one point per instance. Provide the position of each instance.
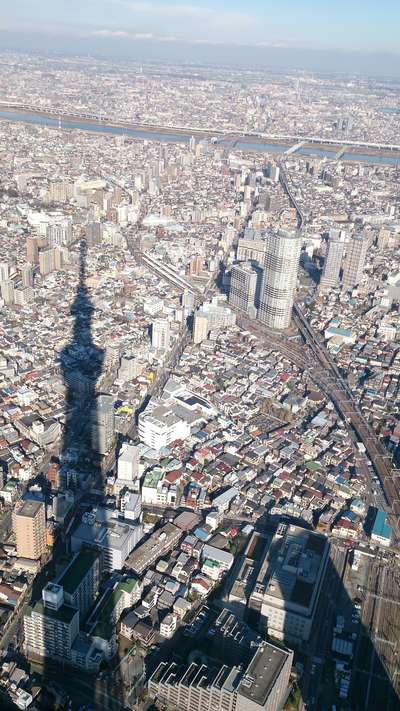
(200, 327)
(128, 468)
(160, 334)
(4, 271)
(7, 291)
(279, 279)
(333, 261)
(50, 626)
(27, 275)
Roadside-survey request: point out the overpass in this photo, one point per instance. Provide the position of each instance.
(283, 179)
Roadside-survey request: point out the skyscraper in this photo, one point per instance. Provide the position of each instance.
(27, 275)
(59, 234)
(160, 334)
(46, 261)
(200, 327)
(32, 249)
(245, 287)
(128, 468)
(103, 424)
(50, 626)
(4, 271)
(333, 261)
(29, 523)
(60, 190)
(279, 278)
(7, 291)
(354, 262)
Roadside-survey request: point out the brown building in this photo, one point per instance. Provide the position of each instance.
(30, 529)
(32, 250)
(53, 475)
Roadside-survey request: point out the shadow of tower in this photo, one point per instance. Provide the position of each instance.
(80, 471)
(81, 363)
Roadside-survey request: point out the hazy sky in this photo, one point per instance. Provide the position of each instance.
(345, 28)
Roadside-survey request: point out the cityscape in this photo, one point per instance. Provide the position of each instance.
(199, 386)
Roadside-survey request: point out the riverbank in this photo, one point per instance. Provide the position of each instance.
(232, 142)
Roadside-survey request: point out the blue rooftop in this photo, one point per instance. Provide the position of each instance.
(339, 331)
(381, 526)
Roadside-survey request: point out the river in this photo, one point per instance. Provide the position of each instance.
(244, 145)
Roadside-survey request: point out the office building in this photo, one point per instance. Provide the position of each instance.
(32, 249)
(165, 421)
(330, 278)
(50, 626)
(113, 539)
(251, 247)
(94, 233)
(188, 300)
(246, 570)
(288, 584)
(80, 580)
(160, 426)
(46, 261)
(59, 234)
(127, 468)
(59, 253)
(29, 524)
(4, 271)
(200, 327)
(27, 275)
(7, 290)
(131, 506)
(272, 172)
(217, 313)
(60, 190)
(244, 292)
(281, 266)
(103, 424)
(128, 368)
(354, 262)
(160, 334)
(23, 296)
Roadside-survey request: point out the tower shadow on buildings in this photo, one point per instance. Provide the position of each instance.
(70, 658)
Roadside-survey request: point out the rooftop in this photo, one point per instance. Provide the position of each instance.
(262, 672)
(293, 566)
(64, 614)
(73, 575)
(30, 509)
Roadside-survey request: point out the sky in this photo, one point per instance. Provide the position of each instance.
(348, 35)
